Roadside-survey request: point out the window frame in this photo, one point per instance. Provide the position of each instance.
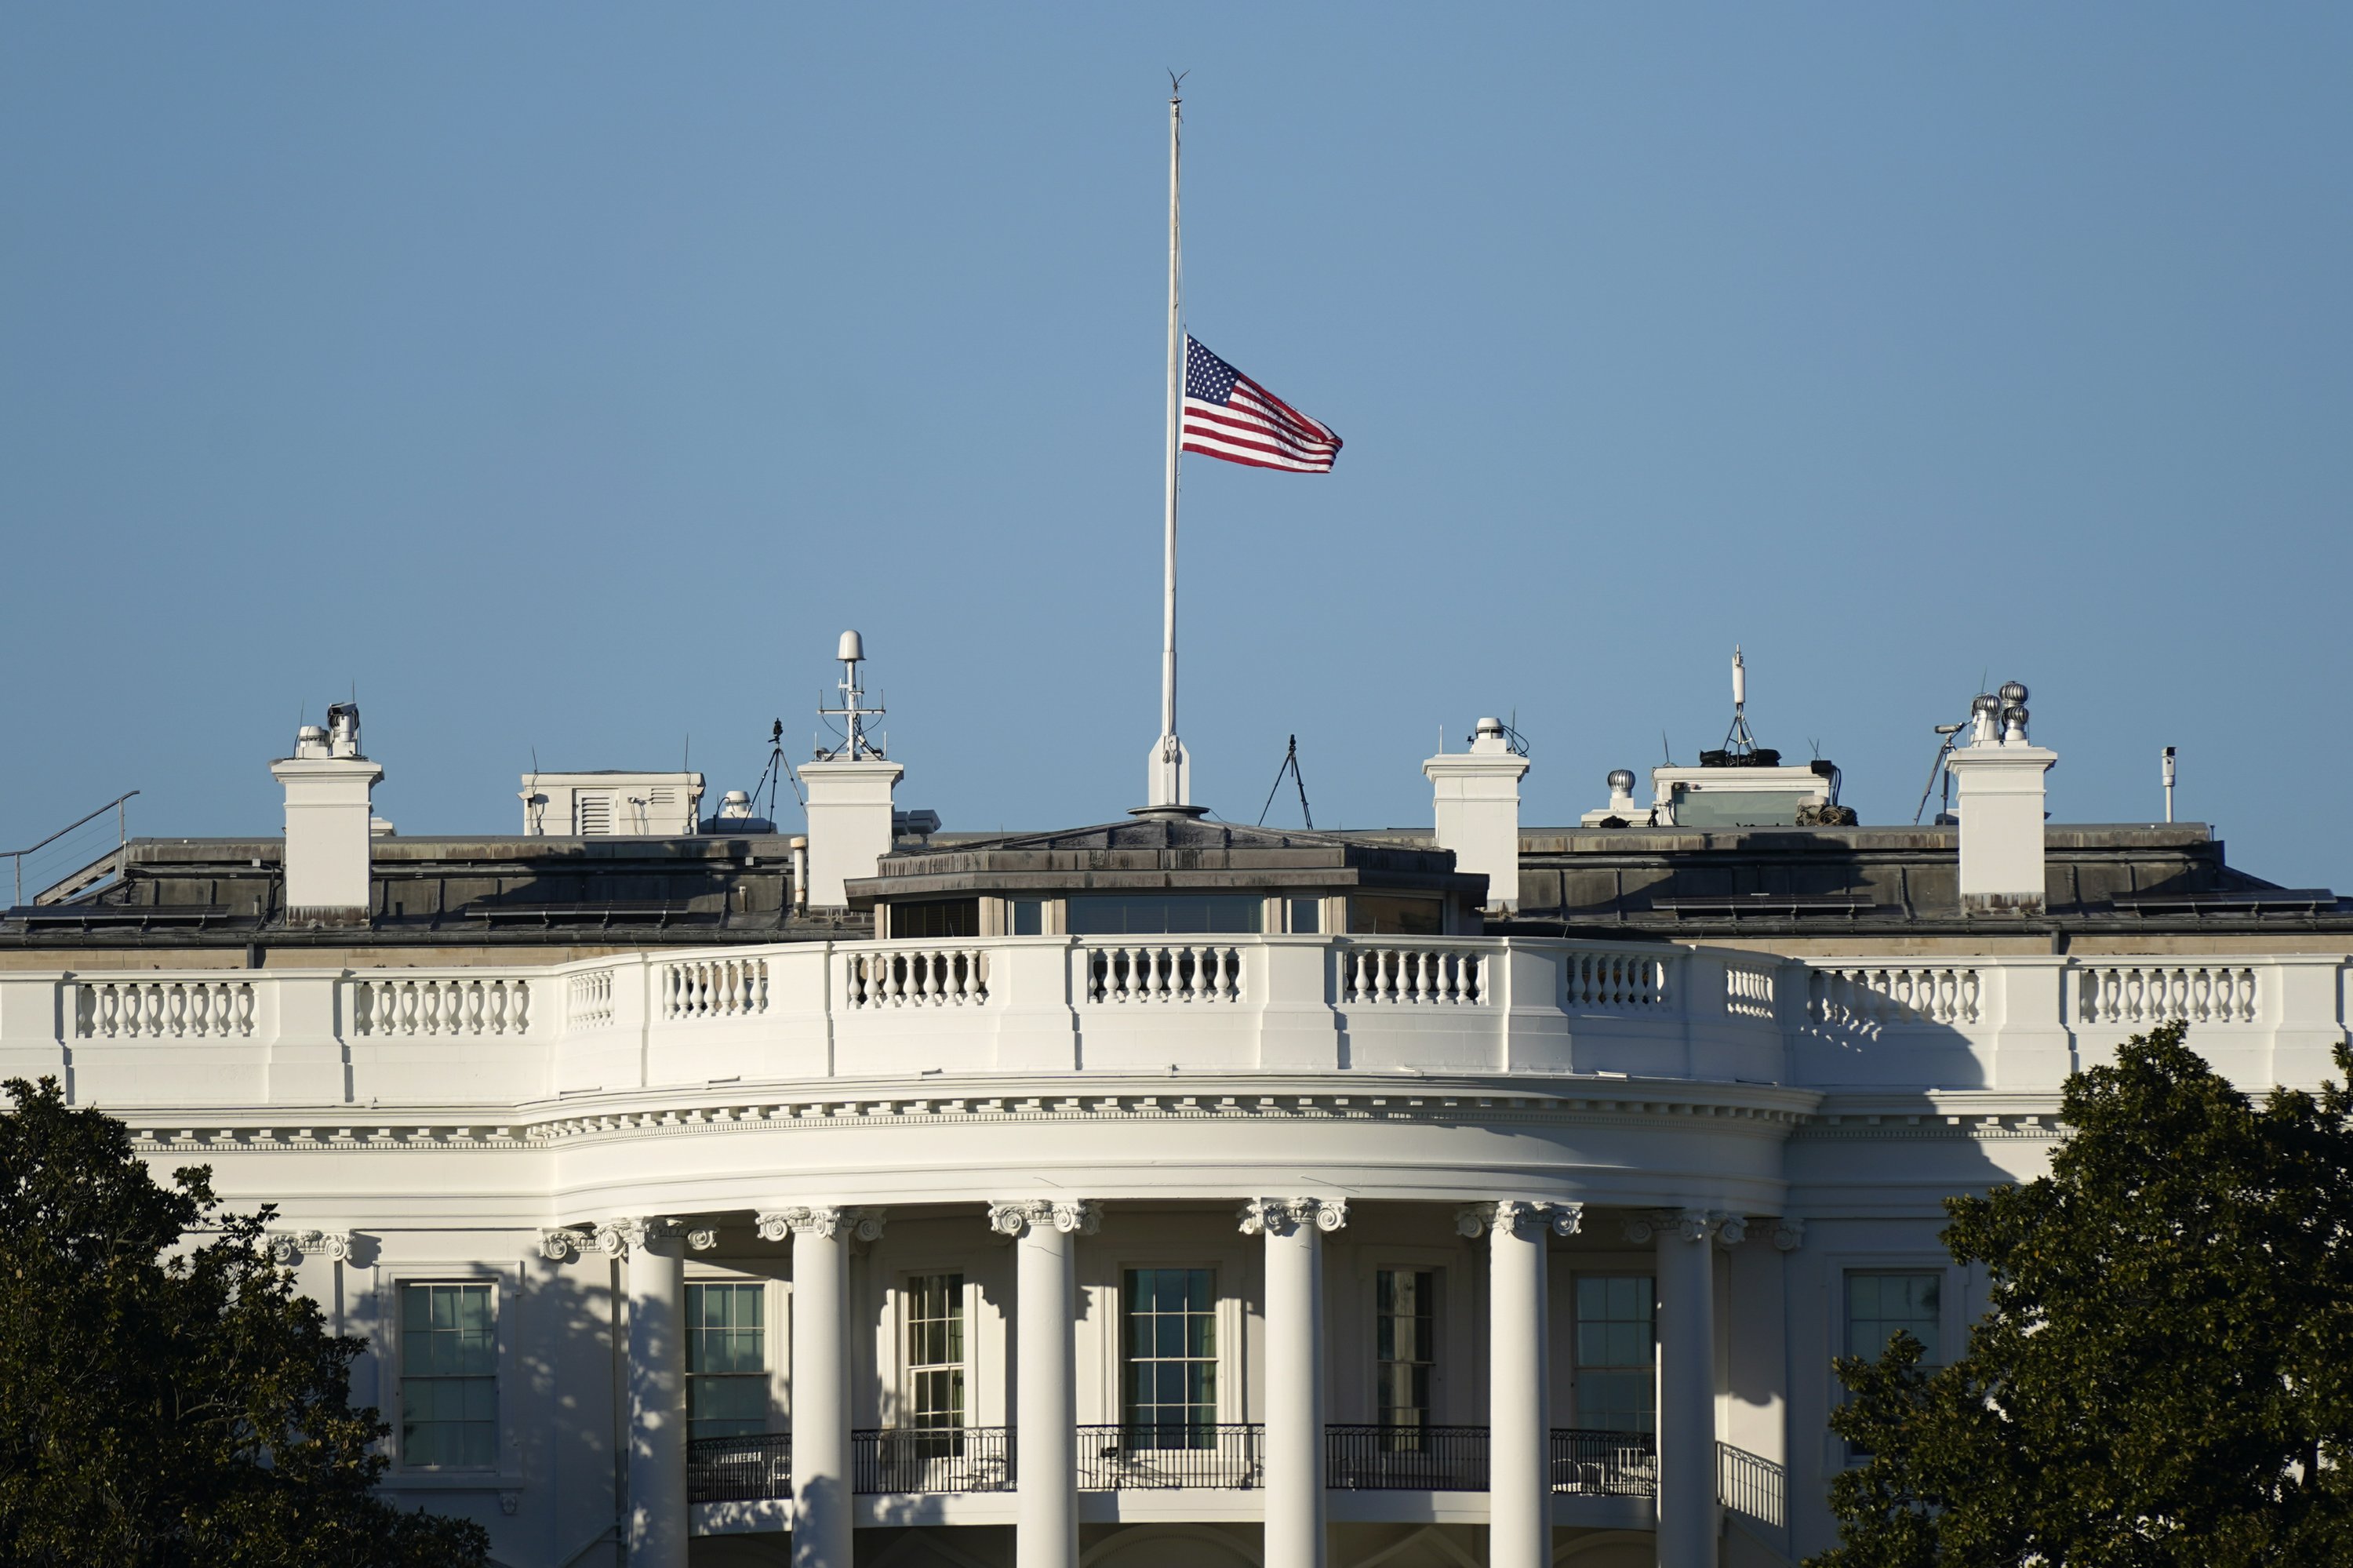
(1441, 1284)
(773, 1341)
(1837, 1453)
(1643, 1270)
(902, 1369)
(387, 1310)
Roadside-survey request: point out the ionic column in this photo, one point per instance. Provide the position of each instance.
(656, 1464)
(820, 1464)
(1687, 1463)
(1045, 1401)
(1519, 1420)
(1294, 1228)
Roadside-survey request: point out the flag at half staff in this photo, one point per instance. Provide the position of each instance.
(1230, 415)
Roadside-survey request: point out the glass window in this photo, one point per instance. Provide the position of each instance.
(1405, 1347)
(1306, 916)
(936, 917)
(1878, 1304)
(1170, 1396)
(448, 1376)
(935, 1318)
(1158, 914)
(1615, 1354)
(1383, 916)
(1029, 917)
(726, 1360)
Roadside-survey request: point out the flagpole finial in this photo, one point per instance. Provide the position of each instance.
(1177, 82)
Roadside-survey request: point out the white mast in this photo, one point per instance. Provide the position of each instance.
(1169, 770)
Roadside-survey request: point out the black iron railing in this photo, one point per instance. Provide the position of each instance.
(739, 1469)
(1750, 1484)
(942, 1459)
(1605, 1464)
(1154, 1459)
(1406, 1459)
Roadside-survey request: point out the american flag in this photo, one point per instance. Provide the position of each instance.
(1230, 415)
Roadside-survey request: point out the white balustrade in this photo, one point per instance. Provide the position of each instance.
(1163, 971)
(1749, 992)
(916, 976)
(696, 989)
(1870, 998)
(2157, 993)
(465, 1006)
(1614, 982)
(1451, 977)
(588, 999)
(154, 1009)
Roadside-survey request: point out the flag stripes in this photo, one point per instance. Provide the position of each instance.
(1230, 415)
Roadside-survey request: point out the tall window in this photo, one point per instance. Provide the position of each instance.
(935, 1351)
(1171, 1350)
(1879, 1304)
(726, 1360)
(1616, 1352)
(1405, 1347)
(448, 1376)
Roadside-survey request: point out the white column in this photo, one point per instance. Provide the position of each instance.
(1294, 1230)
(1687, 1463)
(1045, 1403)
(821, 1383)
(656, 1460)
(1519, 1421)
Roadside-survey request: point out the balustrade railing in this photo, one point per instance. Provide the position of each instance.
(1436, 976)
(467, 1006)
(1406, 1459)
(1595, 1463)
(1614, 982)
(151, 1010)
(739, 1469)
(923, 977)
(1749, 992)
(941, 1459)
(1158, 1459)
(1869, 997)
(713, 987)
(1750, 1485)
(588, 999)
(2160, 993)
(1163, 971)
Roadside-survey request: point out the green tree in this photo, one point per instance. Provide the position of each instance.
(166, 1398)
(2165, 1376)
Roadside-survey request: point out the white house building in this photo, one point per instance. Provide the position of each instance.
(1166, 1193)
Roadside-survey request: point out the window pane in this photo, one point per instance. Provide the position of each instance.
(1306, 916)
(1155, 914)
(1406, 1336)
(935, 1350)
(1880, 1304)
(1171, 1351)
(1382, 914)
(1029, 917)
(449, 1386)
(1616, 1349)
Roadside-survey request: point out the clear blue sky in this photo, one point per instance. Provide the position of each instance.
(569, 375)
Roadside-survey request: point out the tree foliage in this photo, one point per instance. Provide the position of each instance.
(165, 1397)
(2165, 1376)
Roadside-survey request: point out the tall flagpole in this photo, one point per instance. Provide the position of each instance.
(1170, 783)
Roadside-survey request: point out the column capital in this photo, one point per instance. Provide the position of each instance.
(1281, 1216)
(1015, 1217)
(1690, 1224)
(286, 1248)
(615, 1238)
(1788, 1234)
(827, 1221)
(1514, 1215)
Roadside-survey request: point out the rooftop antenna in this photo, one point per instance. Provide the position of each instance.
(1737, 740)
(857, 745)
(1290, 766)
(2168, 783)
(1666, 751)
(1936, 769)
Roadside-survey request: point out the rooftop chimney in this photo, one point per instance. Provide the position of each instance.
(328, 782)
(1478, 807)
(848, 790)
(1998, 779)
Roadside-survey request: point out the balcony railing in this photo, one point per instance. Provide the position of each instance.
(1604, 1464)
(1406, 1459)
(943, 1459)
(739, 1469)
(1166, 1458)
(1750, 1485)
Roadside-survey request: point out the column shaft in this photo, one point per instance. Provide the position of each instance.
(1046, 1409)
(1294, 1395)
(1687, 1511)
(820, 1469)
(657, 1457)
(1519, 1438)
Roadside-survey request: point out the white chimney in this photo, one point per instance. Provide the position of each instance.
(1998, 778)
(849, 792)
(1478, 807)
(328, 820)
